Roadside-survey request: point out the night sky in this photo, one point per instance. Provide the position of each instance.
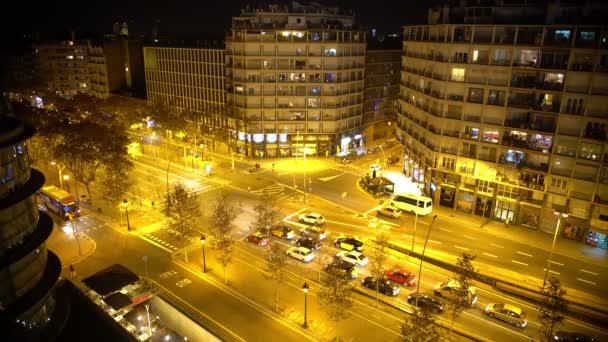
(179, 17)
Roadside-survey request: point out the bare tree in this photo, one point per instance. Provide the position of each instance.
(266, 214)
(465, 271)
(225, 210)
(183, 210)
(116, 181)
(552, 308)
(335, 296)
(377, 259)
(420, 326)
(276, 260)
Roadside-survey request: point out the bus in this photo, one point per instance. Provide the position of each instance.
(412, 203)
(59, 202)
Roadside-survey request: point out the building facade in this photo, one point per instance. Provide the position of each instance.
(509, 121)
(28, 271)
(295, 78)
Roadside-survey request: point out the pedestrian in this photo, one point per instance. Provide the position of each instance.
(72, 272)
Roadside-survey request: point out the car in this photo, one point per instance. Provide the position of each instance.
(349, 243)
(312, 218)
(258, 238)
(355, 258)
(282, 232)
(390, 212)
(309, 242)
(402, 277)
(385, 286)
(392, 160)
(572, 337)
(314, 231)
(427, 301)
(374, 167)
(301, 253)
(449, 290)
(508, 313)
(341, 269)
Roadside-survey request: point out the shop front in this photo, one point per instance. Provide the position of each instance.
(598, 233)
(529, 215)
(464, 201)
(483, 206)
(505, 210)
(447, 195)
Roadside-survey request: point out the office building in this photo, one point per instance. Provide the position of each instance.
(503, 112)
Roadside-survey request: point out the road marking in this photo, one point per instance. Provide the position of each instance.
(376, 316)
(294, 214)
(526, 254)
(463, 248)
(589, 272)
(408, 236)
(490, 255)
(551, 271)
(470, 237)
(372, 209)
(327, 179)
(495, 245)
(444, 229)
(557, 263)
(519, 262)
(586, 281)
(439, 242)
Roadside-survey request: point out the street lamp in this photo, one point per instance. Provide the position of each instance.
(415, 226)
(422, 259)
(204, 260)
(559, 218)
(305, 289)
(125, 204)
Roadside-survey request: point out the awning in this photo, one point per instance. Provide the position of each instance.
(599, 226)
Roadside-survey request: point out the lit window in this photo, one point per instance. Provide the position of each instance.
(127, 69)
(561, 35)
(457, 74)
(475, 55)
(69, 57)
(587, 35)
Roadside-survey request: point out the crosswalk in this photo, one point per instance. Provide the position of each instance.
(272, 190)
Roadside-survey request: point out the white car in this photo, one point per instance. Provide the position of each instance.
(301, 253)
(355, 258)
(390, 211)
(312, 218)
(374, 167)
(314, 231)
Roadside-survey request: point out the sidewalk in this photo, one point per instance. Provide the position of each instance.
(529, 236)
(63, 243)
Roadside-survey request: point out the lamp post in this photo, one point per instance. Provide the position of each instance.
(204, 260)
(304, 186)
(422, 258)
(305, 289)
(149, 324)
(548, 269)
(125, 204)
(66, 178)
(415, 226)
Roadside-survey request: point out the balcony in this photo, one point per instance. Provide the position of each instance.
(449, 150)
(451, 133)
(584, 175)
(582, 67)
(472, 118)
(453, 97)
(532, 126)
(595, 132)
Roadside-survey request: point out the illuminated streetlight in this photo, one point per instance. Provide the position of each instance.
(305, 289)
(559, 218)
(125, 204)
(204, 260)
(422, 259)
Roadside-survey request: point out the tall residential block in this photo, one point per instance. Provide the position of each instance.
(503, 112)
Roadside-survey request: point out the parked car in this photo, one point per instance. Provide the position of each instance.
(402, 277)
(392, 160)
(309, 242)
(385, 286)
(314, 231)
(508, 313)
(355, 258)
(341, 269)
(301, 253)
(390, 212)
(427, 301)
(449, 290)
(572, 337)
(282, 231)
(257, 238)
(312, 218)
(349, 243)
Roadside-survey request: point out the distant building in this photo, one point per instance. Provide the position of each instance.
(503, 112)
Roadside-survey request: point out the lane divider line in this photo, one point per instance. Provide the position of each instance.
(495, 245)
(490, 255)
(526, 254)
(519, 262)
(588, 272)
(586, 281)
(463, 248)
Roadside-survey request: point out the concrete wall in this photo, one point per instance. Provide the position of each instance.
(176, 320)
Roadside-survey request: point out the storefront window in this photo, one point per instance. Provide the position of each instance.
(595, 238)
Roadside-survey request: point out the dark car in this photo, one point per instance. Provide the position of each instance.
(427, 301)
(392, 160)
(342, 269)
(572, 337)
(309, 242)
(385, 286)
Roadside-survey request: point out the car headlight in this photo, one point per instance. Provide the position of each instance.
(487, 309)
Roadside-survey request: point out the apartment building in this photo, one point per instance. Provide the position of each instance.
(509, 121)
(295, 80)
(64, 66)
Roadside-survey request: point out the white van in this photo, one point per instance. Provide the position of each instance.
(412, 203)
